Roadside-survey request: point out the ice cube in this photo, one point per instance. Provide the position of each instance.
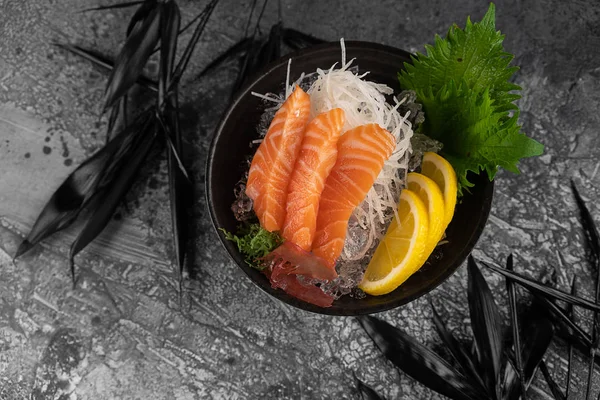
(420, 144)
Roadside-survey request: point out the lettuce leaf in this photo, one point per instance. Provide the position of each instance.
(464, 85)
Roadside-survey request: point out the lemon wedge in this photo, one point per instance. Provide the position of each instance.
(441, 172)
(432, 197)
(400, 252)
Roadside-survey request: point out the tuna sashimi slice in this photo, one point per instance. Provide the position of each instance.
(362, 152)
(317, 157)
(298, 272)
(274, 161)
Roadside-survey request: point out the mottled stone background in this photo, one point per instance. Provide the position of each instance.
(121, 334)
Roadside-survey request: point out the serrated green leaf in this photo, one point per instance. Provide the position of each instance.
(476, 136)
(474, 55)
(464, 84)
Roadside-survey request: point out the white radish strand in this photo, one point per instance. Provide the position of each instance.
(288, 90)
(268, 97)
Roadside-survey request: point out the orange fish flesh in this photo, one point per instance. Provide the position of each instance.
(274, 161)
(362, 152)
(317, 157)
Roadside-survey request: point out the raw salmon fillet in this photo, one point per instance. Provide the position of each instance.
(274, 161)
(317, 157)
(362, 152)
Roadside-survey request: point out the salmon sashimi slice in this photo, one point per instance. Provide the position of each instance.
(362, 152)
(317, 157)
(274, 161)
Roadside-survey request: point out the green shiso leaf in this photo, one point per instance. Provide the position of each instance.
(464, 85)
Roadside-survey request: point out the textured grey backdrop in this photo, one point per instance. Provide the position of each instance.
(122, 334)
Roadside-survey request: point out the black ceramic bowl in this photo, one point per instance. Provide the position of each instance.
(230, 147)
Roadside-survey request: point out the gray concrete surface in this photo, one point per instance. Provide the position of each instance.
(122, 333)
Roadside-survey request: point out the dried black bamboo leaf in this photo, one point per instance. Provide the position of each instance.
(75, 192)
(569, 368)
(105, 63)
(556, 391)
(92, 56)
(140, 15)
(107, 200)
(591, 363)
(260, 15)
(534, 286)
(571, 315)
(241, 48)
(564, 322)
(180, 190)
(593, 243)
(129, 135)
(169, 26)
(173, 150)
(419, 362)
(124, 116)
(279, 14)
(179, 185)
(566, 327)
(120, 108)
(591, 234)
(247, 65)
(180, 199)
(231, 53)
(271, 50)
(575, 342)
(252, 8)
(299, 40)
(187, 54)
(486, 325)
(64, 206)
(112, 119)
(367, 392)
(186, 27)
(538, 334)
(114, 6)
(512, 300)
(258, 55)
(510, 361)
(133, 57)
(457, 350)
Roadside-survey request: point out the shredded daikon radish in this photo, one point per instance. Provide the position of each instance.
(268, 97)
(288, 89)
(277, 98)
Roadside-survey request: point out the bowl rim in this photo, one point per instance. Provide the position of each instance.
(297, 303)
